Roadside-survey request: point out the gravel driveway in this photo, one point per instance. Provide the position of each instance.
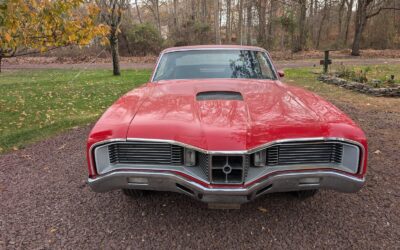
(46, 204)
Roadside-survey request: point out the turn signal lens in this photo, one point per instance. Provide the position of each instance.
(190, 157)
(260, 158)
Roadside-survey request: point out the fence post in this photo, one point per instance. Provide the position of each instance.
(326, 61)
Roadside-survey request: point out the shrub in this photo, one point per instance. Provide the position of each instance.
(345, 72)
(191, 32)
(144, 39)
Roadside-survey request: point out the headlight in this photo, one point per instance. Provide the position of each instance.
(189, 157)
(260, 158)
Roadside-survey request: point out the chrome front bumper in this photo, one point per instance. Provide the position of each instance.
(281, 182)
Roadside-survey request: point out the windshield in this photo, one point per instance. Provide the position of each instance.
(203, 64)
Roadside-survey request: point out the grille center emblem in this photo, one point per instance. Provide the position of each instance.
(227, 169)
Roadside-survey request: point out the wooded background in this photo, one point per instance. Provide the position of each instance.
(273, 24)
(145, 27)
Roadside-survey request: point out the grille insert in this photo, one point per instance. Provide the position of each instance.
(304, 153)
(152, 153)
(204, 163)
(227, 168)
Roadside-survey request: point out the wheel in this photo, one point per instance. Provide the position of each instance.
(134, 192)
(304, 194)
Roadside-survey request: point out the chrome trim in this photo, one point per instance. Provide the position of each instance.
(94, 145)
(238, 152)
(281, 182)
(197, 49)
(216, 47)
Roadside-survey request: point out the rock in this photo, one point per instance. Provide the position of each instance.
(376, 81)
(361, 87)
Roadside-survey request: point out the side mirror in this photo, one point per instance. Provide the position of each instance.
(281, 73)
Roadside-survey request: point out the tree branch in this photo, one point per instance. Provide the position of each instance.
(379, 11)
(14, 54)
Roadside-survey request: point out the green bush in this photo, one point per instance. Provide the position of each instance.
(345, 72)
(144, 39)
(191, 32)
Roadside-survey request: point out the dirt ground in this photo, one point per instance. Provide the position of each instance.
(283, 59)
(282, 64)
(45, 203)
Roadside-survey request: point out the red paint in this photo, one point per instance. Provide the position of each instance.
(271, 111)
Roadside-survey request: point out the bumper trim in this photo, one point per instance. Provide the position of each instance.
(278, 182)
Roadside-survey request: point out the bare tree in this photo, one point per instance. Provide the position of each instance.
(366, 9)
(270, 26)
(300, 38)
(228, 22)
(321, 23)
(261, 9)
(240, 24)
(111, 14)
(154, 7)
(339, 41)
(349, 5)
(269, 22)
(204, 11)
(217, 23)
(176, 15)
(249, 22)
(138, 11)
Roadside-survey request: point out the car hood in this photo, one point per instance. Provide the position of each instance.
(269, 110)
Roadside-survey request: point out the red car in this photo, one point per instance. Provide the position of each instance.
(218, 124)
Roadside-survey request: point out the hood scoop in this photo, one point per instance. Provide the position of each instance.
(219, 95)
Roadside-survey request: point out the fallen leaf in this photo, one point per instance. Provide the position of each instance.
(53, 230)
(377, 152)
(27, 157)
(264, 210)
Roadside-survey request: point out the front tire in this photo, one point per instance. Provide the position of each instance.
(134, 192)
(305, 194)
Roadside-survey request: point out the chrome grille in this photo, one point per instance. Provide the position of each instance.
(304, 153)
(204, 163)
(153, 153)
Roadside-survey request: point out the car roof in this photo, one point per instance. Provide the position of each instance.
(211, 47)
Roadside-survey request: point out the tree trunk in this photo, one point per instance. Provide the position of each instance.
(339, 41)
(360, 22)
(299, 41)
(228, 22)
(204, 11)
(249, 23)
(261, 9)
(321, 24)
(270, 30)
(176, 15)
(216, 22)
(158, 17)
(138, 11)
(193, 10)
(114, 52)
(240, 25)
(348, 19)
(1, 58)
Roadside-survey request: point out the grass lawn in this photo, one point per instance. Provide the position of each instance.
(306, 78)
(368, 74)
(38, 103)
